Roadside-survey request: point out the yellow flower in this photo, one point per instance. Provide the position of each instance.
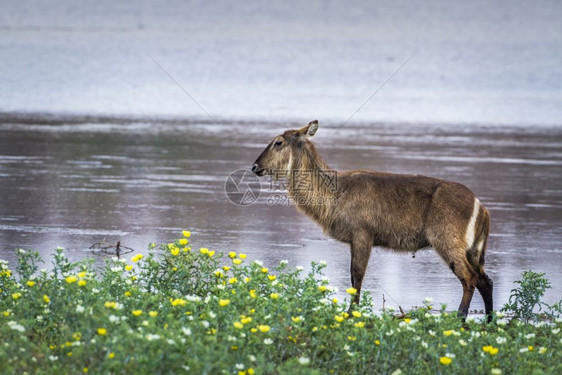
(30, 283)
(232, 254)
(81, 282)
(338, 318)
(211, 253)
(16, 295)
(82, 274)
(360, 324)
(264, 328)
(322, 288)
(445, 361)
(448, 332)
(71, 279)
(531, 348)
(136, 258)
(271, 277)
(203, 250)
(246, 320)
(101, 331)
(153, 313)
(351, 338)
(110, 305)
(46, 298)
(242, 256)
(356, 314)
(85, 369)
(179, 302)
(253, 293)
(335, 300)
(264, 269)
(226, 268)
(175, 251)
(128, 267)
(238, 325)
(351, 291)
(237, 261)
(296, 319)
(274, 296)
(111, 355)
(232, 280)
(251, 371)
(224, 302)
(127, 293)
(183, 241)
(186, 233)
(377, 342)
(542, 350)
(137, 312)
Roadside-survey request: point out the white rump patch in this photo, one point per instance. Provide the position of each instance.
(470, 230)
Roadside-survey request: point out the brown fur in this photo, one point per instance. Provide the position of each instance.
(396, 211)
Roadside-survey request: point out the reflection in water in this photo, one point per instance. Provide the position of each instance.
(72, 182)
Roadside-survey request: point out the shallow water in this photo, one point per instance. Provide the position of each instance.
(71, 182)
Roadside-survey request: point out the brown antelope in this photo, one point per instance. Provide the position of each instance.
(401, 212)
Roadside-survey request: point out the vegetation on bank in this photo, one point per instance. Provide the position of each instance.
(183, 310)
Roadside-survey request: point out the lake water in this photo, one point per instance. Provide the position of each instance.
(71, 182)
(123, 120)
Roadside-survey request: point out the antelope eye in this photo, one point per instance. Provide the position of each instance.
(278, 143)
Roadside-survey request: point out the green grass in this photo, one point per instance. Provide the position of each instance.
(179, 310)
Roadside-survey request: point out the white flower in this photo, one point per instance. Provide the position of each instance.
(499, 314)
(205, 323)
(284, 262)
(502, 322)
(501, 340)
(212, 315)
(299, 268)
(431, 333)
(462, 342)
(252, 358)
(113, 318)
(424, 344)
(80, 309)
(322, 262)
(186, 368)
(171, 342)
(428, 300)
(220, 286)
(396, 372)
(239, 366)
(450, 355)
(325, 279)
(231, 338)
(268, 341)
(186, 331)
(53, 358)
(116, 269)
(151, 337)
(496, 371)
(530, 336)
(556, 330)
(523, 350)
(16, 327)
(258, 262)
(390, 333)
(95, 291)
(304, 360)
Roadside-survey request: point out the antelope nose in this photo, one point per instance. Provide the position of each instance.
(255, 167)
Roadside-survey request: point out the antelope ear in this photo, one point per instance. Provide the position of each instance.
(310, 129)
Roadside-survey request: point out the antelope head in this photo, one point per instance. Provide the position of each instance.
(277, 158)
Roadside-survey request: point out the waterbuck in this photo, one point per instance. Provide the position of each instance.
(401, 212)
